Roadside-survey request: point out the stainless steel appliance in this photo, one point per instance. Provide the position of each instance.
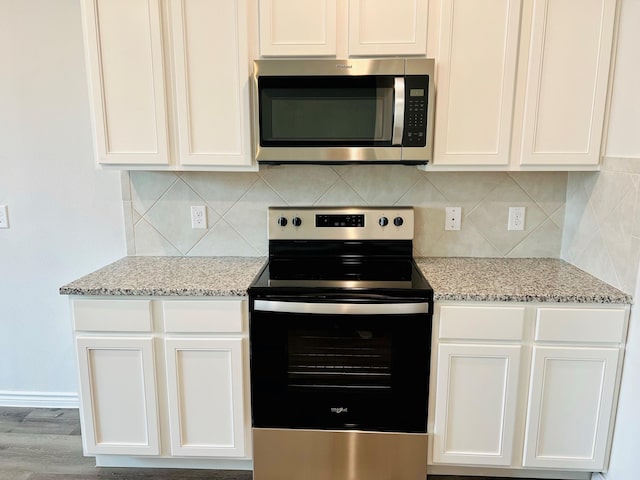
(340, 335)
(343, 111)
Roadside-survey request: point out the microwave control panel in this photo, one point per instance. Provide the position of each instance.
(415, 111)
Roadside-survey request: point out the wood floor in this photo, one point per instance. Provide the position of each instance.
(45, 444)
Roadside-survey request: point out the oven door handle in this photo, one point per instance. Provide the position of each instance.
(340, 308)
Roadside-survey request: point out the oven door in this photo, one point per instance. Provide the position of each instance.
(340, 364)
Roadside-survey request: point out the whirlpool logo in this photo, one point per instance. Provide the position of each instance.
(339, 410)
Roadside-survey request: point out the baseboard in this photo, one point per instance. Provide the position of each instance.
(39, 399)
(172, 462)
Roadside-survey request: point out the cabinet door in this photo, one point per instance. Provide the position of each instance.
(126, 72)
(476, 81)
(476, 396)
(295, 28)
(388, 28)
(568, 57)
(211, 67)
(118, 395)
(206, 403)
(570, 401)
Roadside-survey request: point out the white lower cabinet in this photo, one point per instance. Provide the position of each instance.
(570, 402)
(477, 386)
(118, 395)
(204, 376)
(525, 386)
(164, 378)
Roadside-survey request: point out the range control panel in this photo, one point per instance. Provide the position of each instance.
(340, 223)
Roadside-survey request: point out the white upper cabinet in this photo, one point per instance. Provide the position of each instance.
(294, 28)
(387, 28)
(477, 61)
(211, 74)
(169, 82)
(521, 84)
(565, 84)
(337, 28)
(126, 71)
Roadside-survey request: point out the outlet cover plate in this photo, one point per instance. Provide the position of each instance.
(198, 216)
(516, 218)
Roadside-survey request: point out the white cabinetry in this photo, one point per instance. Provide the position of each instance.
(525, 386)
(477, 59)
(163, 378)
(204, 419)
(522, 85)
(118, 394)
(339, 28)
(477, 384)
(572, 392)
(567, 54)
(169, 82)
(205, 378)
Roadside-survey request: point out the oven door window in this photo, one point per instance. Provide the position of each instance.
(365, 372)
(321, 111)
(342, 357)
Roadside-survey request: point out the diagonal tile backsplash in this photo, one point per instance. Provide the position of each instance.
(157, 207)
(602, 231)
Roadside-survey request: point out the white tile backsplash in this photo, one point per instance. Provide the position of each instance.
(237, 207)
(601, 231)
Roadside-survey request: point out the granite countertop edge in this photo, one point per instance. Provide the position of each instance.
(624, 299)
(541, 280)
(152, 292)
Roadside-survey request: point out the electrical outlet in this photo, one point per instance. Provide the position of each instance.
(198, 216)
(4, 217)
(452, 218)
(516, 218)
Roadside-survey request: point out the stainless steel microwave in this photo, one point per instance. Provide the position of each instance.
(343, 111)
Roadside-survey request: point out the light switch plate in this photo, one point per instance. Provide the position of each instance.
(4, 217)
(452, 218)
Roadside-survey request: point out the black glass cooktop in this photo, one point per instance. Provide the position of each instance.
(340, 274)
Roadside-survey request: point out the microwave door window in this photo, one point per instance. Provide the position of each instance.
(325, 111)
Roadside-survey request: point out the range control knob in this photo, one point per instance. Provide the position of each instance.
(398, 221)
(282, 221)
(383, 221)
(297, 221)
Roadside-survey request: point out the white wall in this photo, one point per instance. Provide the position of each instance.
(625, 461)
(624, 141)
(65, 216)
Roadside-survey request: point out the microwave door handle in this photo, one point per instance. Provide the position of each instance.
(398, 111)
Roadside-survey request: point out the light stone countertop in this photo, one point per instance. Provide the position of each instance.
(452, 278)
(170, 276)
(515, 280)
